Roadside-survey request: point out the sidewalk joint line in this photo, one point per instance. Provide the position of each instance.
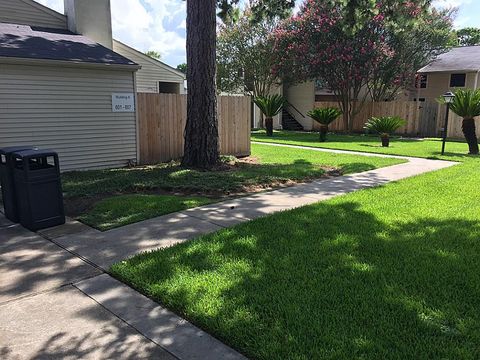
(123, 320)
(45, 291)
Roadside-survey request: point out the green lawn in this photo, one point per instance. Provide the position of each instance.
(385, 273)
(272, 167)
(122, 210)
(428, 148)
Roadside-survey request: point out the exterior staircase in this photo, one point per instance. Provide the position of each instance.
(289, 122)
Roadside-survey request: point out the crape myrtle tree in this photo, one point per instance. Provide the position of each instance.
(339, 42)
(416, 38)
(349, 45)
(201, 131)
(244, 56)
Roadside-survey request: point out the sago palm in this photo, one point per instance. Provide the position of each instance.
(466, 104)
(324, 116)
(384, 126)
(270, 106)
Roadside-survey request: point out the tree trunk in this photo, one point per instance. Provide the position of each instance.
(385, 140)
(269, 126)
(469, 130)
(323, 133)
(201, 131)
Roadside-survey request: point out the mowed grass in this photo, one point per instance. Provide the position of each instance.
(385, 273)
(274, 166)
(427, 148)
(122, 210)
(126, 201)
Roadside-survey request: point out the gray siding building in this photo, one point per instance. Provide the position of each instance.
(59, 76)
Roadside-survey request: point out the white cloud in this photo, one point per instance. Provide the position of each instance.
(146, 25)
(146, 29)
(56, 5)
(450, 3)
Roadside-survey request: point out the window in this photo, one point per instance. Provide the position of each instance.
(457, 80)
(168, 88)
(422, 81)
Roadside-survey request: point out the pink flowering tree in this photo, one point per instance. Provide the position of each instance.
(346, 44)
(419, 35)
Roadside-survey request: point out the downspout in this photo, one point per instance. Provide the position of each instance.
(137, 120)
(476, 80)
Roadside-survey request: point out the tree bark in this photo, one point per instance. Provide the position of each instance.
(469, 130)
(201, 131)
(323, 133)
(269, 126)
(385, 140)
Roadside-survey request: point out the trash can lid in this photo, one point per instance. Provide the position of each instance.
(12, 149)
(34, 153)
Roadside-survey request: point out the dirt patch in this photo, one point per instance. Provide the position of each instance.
(76, 206)
(250, 160)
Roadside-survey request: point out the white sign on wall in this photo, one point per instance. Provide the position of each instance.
(123, 102)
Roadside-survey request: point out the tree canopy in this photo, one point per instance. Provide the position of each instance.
(244, 56)
(154, 54)
(182, 67)
(468, 36)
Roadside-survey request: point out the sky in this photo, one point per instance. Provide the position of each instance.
(160, 24)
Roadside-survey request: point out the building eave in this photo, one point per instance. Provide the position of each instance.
(447, 71)
(63, 63)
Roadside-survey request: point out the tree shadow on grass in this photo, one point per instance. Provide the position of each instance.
(327, 281)
(178, 178)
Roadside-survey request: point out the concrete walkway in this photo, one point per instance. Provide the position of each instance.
(54, 305)
(56, 300)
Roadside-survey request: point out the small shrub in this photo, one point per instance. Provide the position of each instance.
(384, 126)
(270, 106)
(324, 116)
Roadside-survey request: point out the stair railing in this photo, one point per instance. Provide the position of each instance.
(294, 108)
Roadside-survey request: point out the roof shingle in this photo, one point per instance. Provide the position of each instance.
(465, 59)
(22, 41)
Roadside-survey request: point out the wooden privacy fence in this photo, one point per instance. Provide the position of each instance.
(162, 119)
(421, 117)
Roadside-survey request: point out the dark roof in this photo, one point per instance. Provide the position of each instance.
(22, 41)
(466, 58)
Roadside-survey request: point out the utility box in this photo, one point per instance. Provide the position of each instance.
(6, 180)
(38, 189)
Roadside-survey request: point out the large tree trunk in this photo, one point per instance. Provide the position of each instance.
(469, 130)
(201, 132)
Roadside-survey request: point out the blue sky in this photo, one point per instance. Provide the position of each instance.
(160, 24)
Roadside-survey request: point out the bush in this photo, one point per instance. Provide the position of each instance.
(385, 126)
(324, 116)
(270, 106)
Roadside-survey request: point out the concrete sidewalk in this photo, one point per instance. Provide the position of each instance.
(54, 305)
(56, 301)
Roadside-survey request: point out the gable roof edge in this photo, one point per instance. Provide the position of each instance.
(152, 60)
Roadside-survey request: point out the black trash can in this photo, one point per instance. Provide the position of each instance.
(6, 180)
(38, 189)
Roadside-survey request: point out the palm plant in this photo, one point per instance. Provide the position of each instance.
(270, 106)
(466, 104)
(324, 116)
(384, 126)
